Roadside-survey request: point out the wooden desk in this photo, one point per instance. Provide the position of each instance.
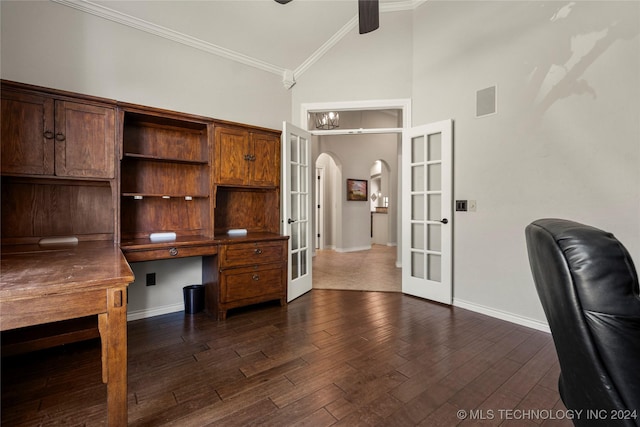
(41, 285)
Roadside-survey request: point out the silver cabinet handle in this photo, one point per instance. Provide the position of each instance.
(173, 251)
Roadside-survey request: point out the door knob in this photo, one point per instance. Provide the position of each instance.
(444, 220)
(289, 221)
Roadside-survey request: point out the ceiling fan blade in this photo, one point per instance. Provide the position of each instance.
(368, 12)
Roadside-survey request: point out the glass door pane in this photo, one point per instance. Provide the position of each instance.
(426, 206)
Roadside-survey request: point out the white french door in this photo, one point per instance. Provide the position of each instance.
(296, 207)
(426, 211)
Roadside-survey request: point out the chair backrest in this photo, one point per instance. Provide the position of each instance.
(588, 287)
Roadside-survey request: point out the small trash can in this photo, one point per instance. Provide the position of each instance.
(193, 299)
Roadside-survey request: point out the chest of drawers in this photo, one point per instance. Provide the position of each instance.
(245, 273)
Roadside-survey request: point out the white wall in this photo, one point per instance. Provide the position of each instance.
(51, 45)
(564, 143)
(167, 295)
(566, 139)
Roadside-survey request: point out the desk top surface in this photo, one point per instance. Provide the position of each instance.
(32, 271)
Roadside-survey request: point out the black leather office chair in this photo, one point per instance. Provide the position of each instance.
(588, 287)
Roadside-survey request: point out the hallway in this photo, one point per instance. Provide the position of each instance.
(370, 270)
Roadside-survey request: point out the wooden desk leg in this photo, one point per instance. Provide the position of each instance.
(113, 333)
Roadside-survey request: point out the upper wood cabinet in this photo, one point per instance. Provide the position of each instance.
(44, 134)
(245, 157)
(58, 165)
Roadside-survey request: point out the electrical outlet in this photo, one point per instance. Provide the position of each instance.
(461, 205)
(151, 279)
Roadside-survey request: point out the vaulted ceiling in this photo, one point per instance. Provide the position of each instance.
(282, 39)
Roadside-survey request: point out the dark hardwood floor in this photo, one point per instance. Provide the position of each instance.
(328, 358)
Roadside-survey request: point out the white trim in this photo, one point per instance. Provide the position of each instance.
(354, 249)
(156, 311)
(502, 315)
(360, 131)
(346, 29)
(403, 104)
(169, 34)
(315, 56)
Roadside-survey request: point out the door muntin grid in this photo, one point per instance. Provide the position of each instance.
(426, 207)
(299, 202)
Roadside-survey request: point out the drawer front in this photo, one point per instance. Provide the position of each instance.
(253, 253)
(252, 282)
(170, 252)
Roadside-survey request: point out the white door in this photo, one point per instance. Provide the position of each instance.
(426, 211)
(296, 207)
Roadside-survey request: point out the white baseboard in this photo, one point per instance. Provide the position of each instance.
(354, 249)
(156, 311)
(503, 315)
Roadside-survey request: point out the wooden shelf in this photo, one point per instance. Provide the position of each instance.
(165, 178)
(165, 159)
(167, 196)
(57, 179)
(31, 338)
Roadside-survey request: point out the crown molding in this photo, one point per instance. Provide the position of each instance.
(315, 56)
(346, 29)
(288, 76)
(169, 34)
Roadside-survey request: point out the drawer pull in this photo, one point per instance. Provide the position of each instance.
(255, 277)
(173, 251)
(48, 134)
(60, 136)
(258, 251)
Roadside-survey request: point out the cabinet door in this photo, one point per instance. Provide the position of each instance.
(85, 140)
(232, 151)
(27, 134)
(265, 161)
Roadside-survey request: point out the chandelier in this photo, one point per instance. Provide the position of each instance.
(327, 120)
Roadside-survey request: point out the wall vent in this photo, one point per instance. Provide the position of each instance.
(486, 101)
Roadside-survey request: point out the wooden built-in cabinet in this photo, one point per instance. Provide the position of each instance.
(96, 169)
(51, 134)
(58, 165)
(246, 271)
(253, 268)
(166, 184)
(199, 178)
(246, 157)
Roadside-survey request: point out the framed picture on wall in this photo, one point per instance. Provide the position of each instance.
(357, 190)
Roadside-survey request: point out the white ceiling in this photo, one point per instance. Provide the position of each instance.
(262, 33)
